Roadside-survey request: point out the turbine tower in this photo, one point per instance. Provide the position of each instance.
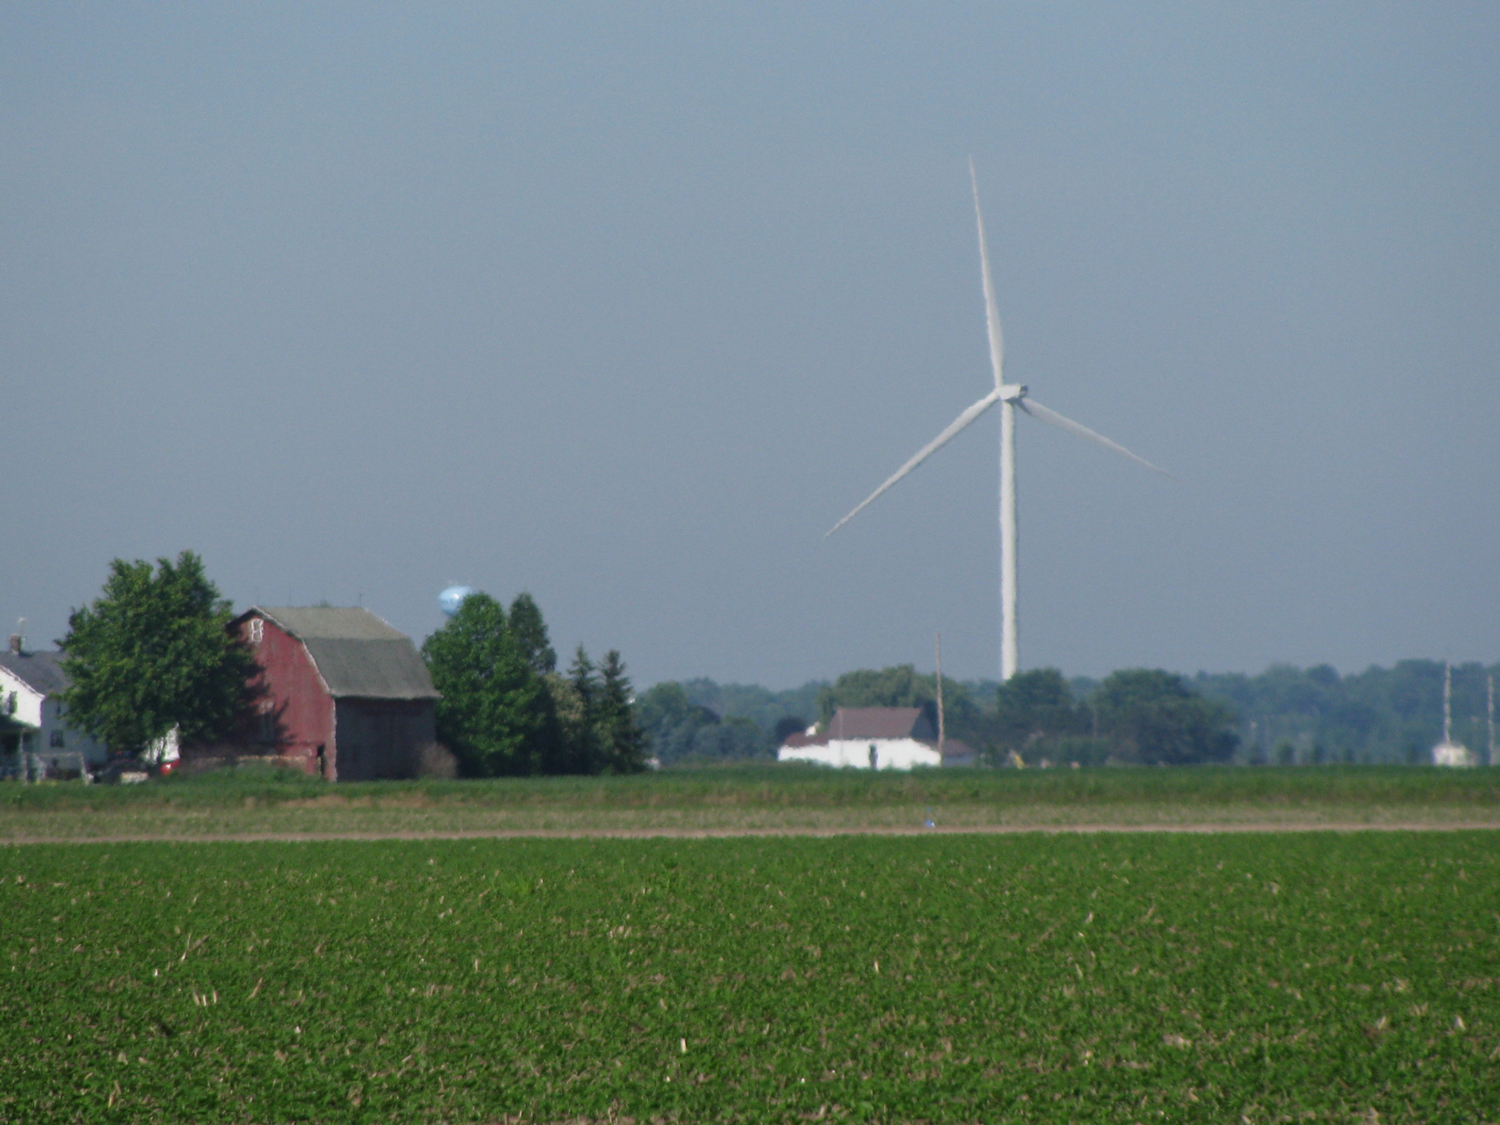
(1448, 752)
(1011, 397)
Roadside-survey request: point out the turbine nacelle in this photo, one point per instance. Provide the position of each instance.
(1013, 392)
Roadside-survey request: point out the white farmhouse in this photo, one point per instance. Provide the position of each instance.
(35, 736)
(876, 738)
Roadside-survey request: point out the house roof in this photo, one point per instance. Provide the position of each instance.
(40, 671)
(879, 722)
(357, 654)
(952, 747)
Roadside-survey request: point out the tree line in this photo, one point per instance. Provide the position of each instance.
(1293, 716)
(1138, 715)
(1284, 715)
(153, 652)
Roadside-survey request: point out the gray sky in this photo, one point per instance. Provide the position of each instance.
(625, 305)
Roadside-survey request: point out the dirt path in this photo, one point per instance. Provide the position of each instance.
(1204, 828)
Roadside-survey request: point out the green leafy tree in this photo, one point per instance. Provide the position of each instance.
(674, 726)
(496, 713)
(568, 708)
(760, 705)
(666, 707)
(153, 652)
(704, 720)
(1151, 716)
(1032, 707)
(899, 686)
(575, 698)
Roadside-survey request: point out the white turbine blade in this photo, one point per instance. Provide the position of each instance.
(927, 451)
(991, 310)
(1040, 412)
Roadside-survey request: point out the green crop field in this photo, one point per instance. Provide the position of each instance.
(765, 799)
(1113, 978)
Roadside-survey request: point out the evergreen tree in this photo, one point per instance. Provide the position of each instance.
(154, 652)
(582, 732)
(622, 743)
(506, 710)
(584, 678)
(530, 631)
(496, 713)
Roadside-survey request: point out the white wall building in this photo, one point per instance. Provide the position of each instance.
(35, 735)
(1447, 753)
(876, 738)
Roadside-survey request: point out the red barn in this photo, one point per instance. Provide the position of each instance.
(347, 696)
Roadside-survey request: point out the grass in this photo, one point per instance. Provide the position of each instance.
(1328, 977)
(766, 798)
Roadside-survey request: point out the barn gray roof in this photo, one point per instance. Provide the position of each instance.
(40, 671)
(357, 653)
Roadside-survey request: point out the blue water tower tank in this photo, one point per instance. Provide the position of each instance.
(453, 597)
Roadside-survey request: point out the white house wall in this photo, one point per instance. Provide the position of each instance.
(1452, 754)
(28, 702)
(55, 727)
(854, 753)
(47, 719)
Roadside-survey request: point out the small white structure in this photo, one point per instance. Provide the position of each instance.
(164, 750)
(35, 736)
(876, 738)
(1448, 752)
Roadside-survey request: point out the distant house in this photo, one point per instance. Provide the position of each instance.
(884, 738)
(35, 735)
(347, 696)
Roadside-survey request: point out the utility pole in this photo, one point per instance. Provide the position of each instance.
(1491, 708)
(1447, 699)
(938, 643)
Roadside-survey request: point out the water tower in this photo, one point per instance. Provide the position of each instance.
(453, 597)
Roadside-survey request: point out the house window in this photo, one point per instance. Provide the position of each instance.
(257, 629)
(58, 741)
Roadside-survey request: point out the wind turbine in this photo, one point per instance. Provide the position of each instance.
(1011, 397)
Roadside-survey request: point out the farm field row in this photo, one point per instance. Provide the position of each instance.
(376, 822)
(757, 800)
(1107, 977)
